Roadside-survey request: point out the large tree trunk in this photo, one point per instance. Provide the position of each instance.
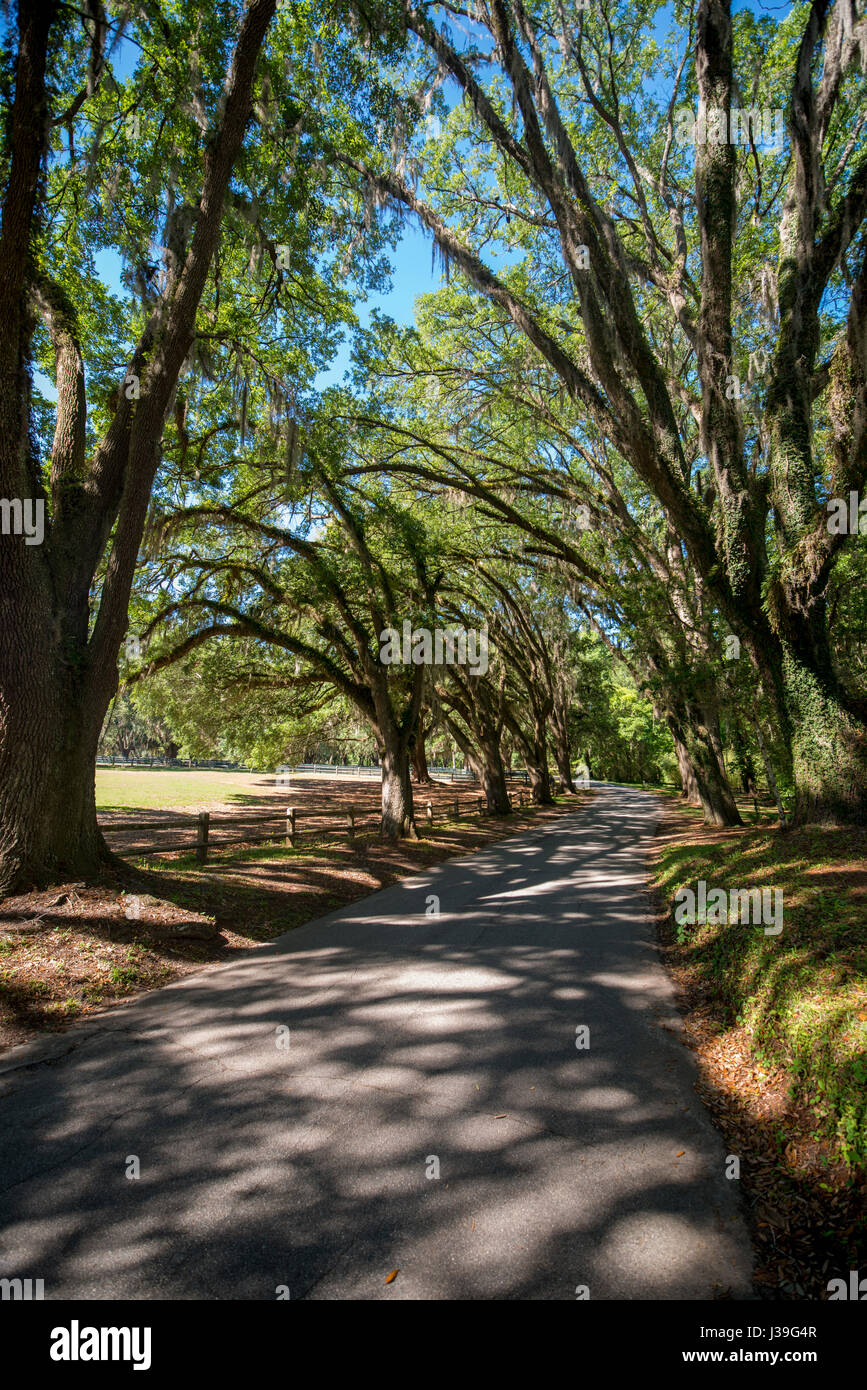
(48, 749)
(688, 780)
(561, 747)
(537, 768)
(57, 675)
(700, 765)
(821, 728)
(398, 816)
(715, 794)
(829, 750)
(486, 761)
(52, 710)
(488, 770)
(419, 758)
(496, 791)
(493, 780)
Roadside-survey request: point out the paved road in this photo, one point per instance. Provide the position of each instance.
(411, 1038)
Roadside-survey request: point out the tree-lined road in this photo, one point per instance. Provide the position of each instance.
(299, 1159)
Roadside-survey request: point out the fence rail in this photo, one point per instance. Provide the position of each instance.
(455, 774)
(462, 774)
(348, 820)
(193, 764)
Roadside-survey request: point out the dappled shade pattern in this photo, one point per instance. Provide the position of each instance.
(409, 1036)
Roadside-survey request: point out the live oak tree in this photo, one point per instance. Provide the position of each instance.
(646, 270)
(58, 667)
(520, 457)
(229, 701)
(314, 600)
(475, 715)
(256, 593)
(198, 169)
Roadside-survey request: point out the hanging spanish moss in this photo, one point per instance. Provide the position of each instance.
(242, 428)
(563, 37)
(440, 254)
(291, 451)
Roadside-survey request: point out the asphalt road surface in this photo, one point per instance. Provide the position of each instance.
(385, 1089)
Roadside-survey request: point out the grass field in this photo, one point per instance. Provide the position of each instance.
(121, 789)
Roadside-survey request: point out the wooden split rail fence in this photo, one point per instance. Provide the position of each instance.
(348, 820)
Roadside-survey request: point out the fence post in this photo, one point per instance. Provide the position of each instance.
(457, 808)
(202, 836)
(481, 801)
(429, 814)
(290, 826)
(350, 824)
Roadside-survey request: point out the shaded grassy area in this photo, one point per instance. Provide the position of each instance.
(779, 1023)
(802, 994)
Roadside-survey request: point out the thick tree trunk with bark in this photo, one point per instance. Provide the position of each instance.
(562, 751)
(715, 794)
(702, 774)
(494, 783)
(51, 727)
(536, 760)
(419, 758)
(486, 761)
(58, 672)
(688, 780)
(488, 767)
(398, 815)
(540, 783)
(829, 751)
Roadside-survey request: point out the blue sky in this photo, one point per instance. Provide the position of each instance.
(411, 275)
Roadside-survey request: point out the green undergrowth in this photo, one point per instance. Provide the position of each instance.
(801, 995)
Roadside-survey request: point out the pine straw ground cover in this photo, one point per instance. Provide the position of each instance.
(77, 949)
(779, 1028)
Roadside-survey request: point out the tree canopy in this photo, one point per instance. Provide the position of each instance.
(624, 440)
